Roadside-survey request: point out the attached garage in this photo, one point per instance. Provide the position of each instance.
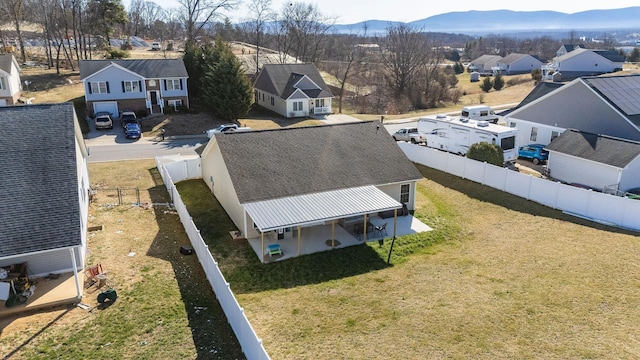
(109, 106)
(3, 102)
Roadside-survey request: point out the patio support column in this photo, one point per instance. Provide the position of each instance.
(333, 233)
(299, 229)
(75, 272)
(262, 242)
(364, 226)
(395, 221)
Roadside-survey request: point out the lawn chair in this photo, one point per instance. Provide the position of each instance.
(95, 274)
(381, 229)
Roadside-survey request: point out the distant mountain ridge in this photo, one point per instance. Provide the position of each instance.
(475, 22)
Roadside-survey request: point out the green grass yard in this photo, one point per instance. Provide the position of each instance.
(499, 277)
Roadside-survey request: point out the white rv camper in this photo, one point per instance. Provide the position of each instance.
(457, 134)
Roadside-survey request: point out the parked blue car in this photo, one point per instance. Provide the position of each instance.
(533, 152)
(132, 131)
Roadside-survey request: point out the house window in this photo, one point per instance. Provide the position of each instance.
(174, 103)
(297, 106)
(272, 101)
(319, 103)
(512, 124)
(173, 84)
(534, 134)
(131, 86)
(404, 193)
(554, 134)
(99, 87)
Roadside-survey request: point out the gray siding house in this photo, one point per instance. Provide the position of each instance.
(598, 161)
(514, 64)
(10, 84)
(45, 189)
(292, 90)
(583, 62)
(600, 105)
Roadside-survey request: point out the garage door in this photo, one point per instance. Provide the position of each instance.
(3, 102)
(110, 106)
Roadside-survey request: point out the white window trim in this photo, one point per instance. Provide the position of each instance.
(175, 102)
(96, 87)
(133, 86)
(171, 84)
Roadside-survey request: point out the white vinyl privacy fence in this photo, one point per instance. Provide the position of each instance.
(605, 208)
(170, 170)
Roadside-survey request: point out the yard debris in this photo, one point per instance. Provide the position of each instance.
(83, 306)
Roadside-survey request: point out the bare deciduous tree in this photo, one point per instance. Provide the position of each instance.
(261, 13)
(197, 14)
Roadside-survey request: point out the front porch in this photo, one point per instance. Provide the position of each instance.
(48, 293)
(318, 238)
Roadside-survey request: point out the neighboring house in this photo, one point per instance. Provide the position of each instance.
(10, 84)
(583, 62)
(540, 90)
(598, 161)
(292, 90)
(141, 84)
(282, 180)
(606, 105)
(484, 64)
(514, 64)
(567, 48)
(45, 190)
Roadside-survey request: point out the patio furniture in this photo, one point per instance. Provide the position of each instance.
(274, 249)
(381, 229)
(95, 274)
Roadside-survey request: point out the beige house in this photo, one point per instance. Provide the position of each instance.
(284, 183)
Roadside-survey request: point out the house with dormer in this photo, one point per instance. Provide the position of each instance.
(10, 85)
(292, 90)
(136, 85)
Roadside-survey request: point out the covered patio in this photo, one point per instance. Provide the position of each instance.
(305, 224)
(318, 238)
(49, 292)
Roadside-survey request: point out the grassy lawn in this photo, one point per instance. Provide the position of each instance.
(499, 277)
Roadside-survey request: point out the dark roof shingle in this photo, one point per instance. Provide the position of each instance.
(39, 189)
(293, 161)
(279, 79)
(599, 148)
(147, 68)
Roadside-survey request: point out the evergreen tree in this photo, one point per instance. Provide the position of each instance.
(226, 89)
(487, 84)
(498, 82)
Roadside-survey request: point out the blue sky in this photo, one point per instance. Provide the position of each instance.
(353, 11)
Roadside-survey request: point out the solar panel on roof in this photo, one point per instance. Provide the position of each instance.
(624, 92)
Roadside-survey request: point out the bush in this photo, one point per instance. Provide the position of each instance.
(114, 53)
(141, 114)
(490, 153)
(487, 84)
(498, 82)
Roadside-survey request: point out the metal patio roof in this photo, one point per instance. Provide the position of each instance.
(310, 209)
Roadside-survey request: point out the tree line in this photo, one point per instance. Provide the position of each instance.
(400, 70)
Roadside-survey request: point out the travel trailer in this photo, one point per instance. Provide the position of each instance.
(457, 134)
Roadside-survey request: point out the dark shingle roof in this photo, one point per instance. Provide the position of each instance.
(5, 62)
(147, 68)
(39, 188)
(599, 148)
(293, 161)
(279, 79)
(611, 55)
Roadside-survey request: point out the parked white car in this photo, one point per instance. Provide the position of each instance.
(226, 128)
(156, 46)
